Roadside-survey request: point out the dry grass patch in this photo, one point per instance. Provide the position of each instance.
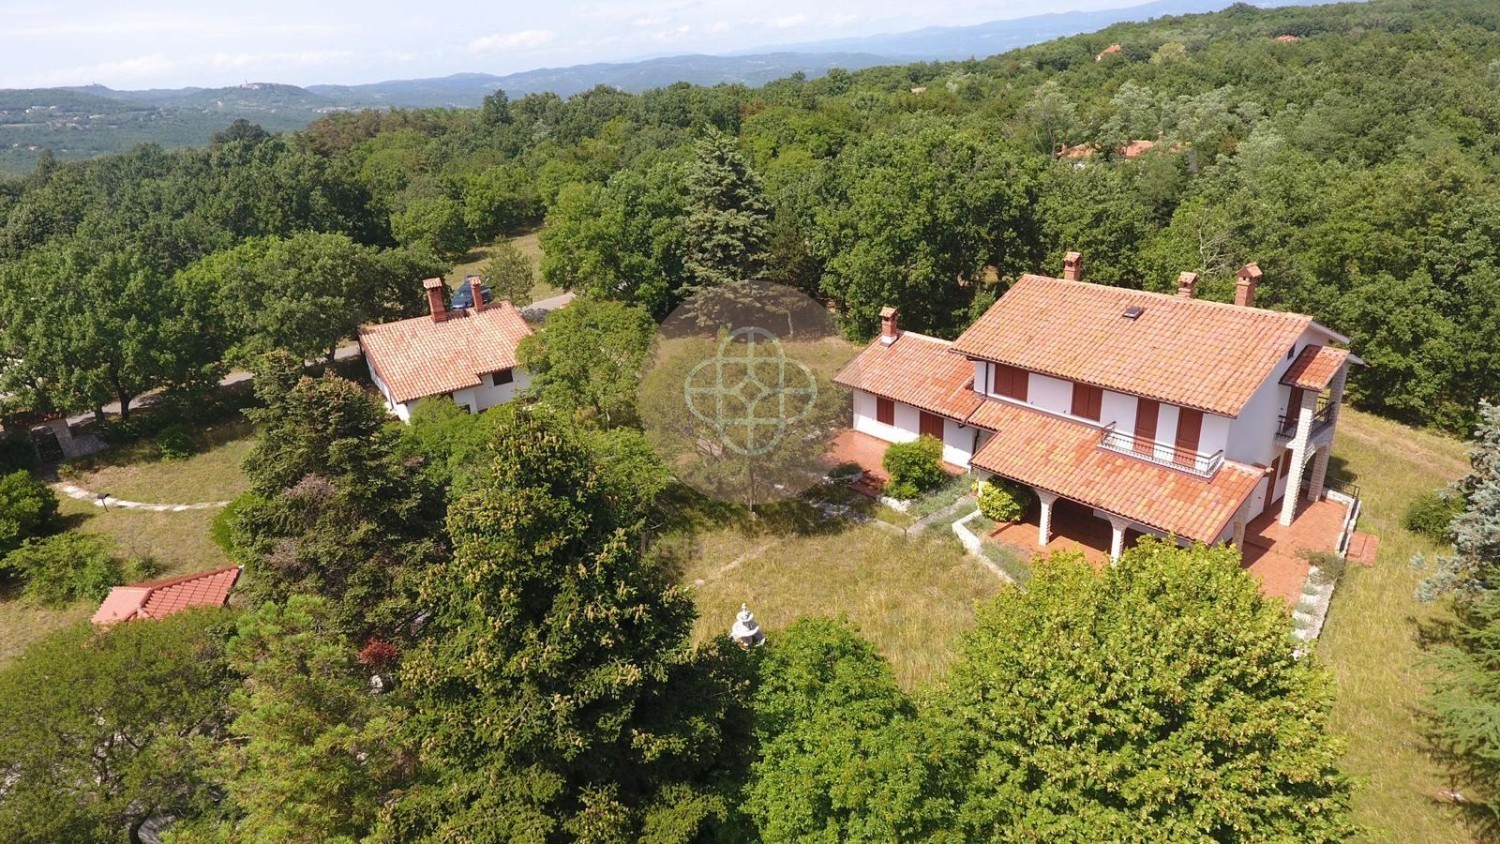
(139, 473)
(1371, 637)
(529, 245)
(911, 597)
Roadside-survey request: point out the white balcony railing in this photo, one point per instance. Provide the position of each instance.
(1162, 454)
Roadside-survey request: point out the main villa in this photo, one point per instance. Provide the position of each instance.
(1159, 414)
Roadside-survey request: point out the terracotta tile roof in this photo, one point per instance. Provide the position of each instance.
(1205, 355)
(418, 357)
(161, 598)
(917, 370)
(1315, 367)
(1063, 456)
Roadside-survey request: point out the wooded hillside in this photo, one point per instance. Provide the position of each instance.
(1349, 149)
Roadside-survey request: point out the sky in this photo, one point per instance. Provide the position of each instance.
(176, 43)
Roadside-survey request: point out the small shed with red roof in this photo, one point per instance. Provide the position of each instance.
(158, 599)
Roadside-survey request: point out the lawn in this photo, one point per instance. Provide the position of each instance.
(139, 473)
(179, 542)
(1370, 640)
(911, 596)
(530, 246)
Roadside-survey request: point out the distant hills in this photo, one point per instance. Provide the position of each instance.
(85, 121)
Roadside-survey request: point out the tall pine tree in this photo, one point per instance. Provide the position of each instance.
(556, 695)
(1466, 698)
(728, 219)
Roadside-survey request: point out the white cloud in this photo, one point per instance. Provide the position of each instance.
(671, 34)
(526, 39)
(789, 21)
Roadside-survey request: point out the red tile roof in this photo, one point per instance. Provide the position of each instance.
(1315, 367)
(1205, 355)
(418, 357)
(917, 370)
(1063, 456)
(161, 598)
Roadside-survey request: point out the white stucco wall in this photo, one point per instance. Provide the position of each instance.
(485, 396)
(958, 440)
(399, 410)
(1049, 393)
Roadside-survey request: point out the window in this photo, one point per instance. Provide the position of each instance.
(504, 376)
(1088, 401)
(885, 411)
(930, 425)
(1009, 381)
(1189, 430)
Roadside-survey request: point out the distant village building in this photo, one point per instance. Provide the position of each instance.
(1161, 414)
(467, 354)
(159, 599)
(1107, 51)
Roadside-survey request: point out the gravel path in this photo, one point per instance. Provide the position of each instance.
(81, 494)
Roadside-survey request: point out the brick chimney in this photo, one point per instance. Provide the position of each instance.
(1187, 285)
(1244, 286)
(435, 303)
(1073, 267)
(889, 326)
(476, 287)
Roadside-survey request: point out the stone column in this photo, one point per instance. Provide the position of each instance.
(1299, 457)
(1044, 529)
(1117, 538)
(1239, 534)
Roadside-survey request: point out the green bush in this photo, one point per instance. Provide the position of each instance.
(17, 451)
(915, 467)
(1003, 501)
(1431, 513)
(175, 443)
(58, 570)
(223, 527)
(845, 471)
(28, 508)
(1330, 566)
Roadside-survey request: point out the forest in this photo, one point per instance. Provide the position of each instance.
(1349, 149)
(468, 628)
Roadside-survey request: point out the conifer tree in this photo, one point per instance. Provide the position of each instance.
(556, 697)
(728, 220)
(1466, 699)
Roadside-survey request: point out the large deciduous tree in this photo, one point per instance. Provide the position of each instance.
(556, 696)
(587, 361)
(99, 733)
(1161, 699)
(840, 752)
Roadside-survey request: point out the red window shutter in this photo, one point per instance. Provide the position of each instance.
(931, 425)
(1088, 402)
(885, 411)
(1189, 430)
(1146, 413)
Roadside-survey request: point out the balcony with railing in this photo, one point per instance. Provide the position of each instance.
(1162, 454)
(1286, 426)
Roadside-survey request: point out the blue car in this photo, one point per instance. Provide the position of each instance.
(463, 297)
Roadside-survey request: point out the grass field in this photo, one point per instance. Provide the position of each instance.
(1370, 640)
(179, 542)
(912, 597)
(530, 246)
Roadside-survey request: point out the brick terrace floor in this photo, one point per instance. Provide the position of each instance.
(1271, 551)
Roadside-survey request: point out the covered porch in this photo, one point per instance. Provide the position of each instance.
(1072, 527)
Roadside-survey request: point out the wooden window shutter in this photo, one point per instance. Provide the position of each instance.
(1088, 401)
(1146, 413)
(1010, 381)
(885, 411)
(931, 425)
(1189, 431)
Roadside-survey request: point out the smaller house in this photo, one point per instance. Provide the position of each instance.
(1108, 51)
(467, 354)
(158, 599)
